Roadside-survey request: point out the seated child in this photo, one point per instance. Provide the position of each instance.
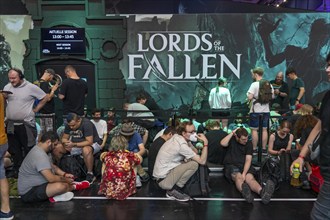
(118, 170)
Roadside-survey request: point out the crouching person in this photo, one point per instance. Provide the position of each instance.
(177, 161)
(119, 170)
(40, 180)
(238, 167)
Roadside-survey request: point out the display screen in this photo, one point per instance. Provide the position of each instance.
(63, 41)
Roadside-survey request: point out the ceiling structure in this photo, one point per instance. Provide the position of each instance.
(193, 6)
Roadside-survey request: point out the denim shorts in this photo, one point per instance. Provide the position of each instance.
(77, 150)
(3, 150)
(254, 120)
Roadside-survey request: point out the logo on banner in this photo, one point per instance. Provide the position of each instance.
(180, 57)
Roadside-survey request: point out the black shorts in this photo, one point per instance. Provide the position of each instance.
(220, 113)
(36, 194)
(230, 169)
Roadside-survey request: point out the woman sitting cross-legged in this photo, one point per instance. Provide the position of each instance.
(119, 170)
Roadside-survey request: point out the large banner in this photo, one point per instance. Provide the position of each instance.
(177, 59)
(13, 30)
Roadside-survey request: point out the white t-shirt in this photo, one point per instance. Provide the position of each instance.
(101, 127)
(139, 107)
(257, 107)
(171, 155)
(220, 99)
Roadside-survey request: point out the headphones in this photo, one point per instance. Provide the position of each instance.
(20, 73)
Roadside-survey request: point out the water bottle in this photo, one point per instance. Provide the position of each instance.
(295, 181)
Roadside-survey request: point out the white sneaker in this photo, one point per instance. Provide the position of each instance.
(62, 198)
(138, 181)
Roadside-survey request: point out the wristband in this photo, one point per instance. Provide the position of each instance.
(302, 157)
(298, 100)
(64, 174)
(205, 145)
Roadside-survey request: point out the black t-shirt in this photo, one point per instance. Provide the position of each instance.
(49, 107)
(282, 88)
(216, 153)
(74, 91)
(153, 151)
(86, 129)
(236, 152)
(325, 144)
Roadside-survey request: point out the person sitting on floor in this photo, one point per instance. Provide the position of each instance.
(279, 146)
(81, 137)
(139, 129)
(40, 180)
(135, 145)
(177, 160)
(156, 145)
(118, 165)
(216, 152)
(238, 168)
(100, 125)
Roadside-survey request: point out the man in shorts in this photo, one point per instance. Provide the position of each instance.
(81, 137)
(238, 168)
(40, 180)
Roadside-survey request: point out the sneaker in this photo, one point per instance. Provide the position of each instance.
(255, 152)
(144, 178)
(6, 216)
(138, 182)
(246, 192)
(81, 185)
(177, 195)
(62, 198)
(264, 152)
(90, 178)
(267, 192)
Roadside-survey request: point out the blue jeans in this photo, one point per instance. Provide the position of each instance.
(321, 209)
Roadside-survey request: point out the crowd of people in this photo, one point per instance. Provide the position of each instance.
(173, 155)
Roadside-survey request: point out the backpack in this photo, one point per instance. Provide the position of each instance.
(198, 184)
(270, 170)
(265, 94)
(75, 165)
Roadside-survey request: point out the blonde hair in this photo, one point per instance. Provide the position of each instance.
(305, 110)
(118, 143)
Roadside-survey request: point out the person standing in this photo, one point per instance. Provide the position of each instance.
(73, 92)
(321, 207)
(47, 113)
(220, 99)
(281, 91)
(5, 212)
(20, 114)
(297, 90)
(258, 110)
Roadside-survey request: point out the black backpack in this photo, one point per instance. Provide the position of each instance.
(265, 94)
(74, 165)
(198, 184)
(270, 170)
